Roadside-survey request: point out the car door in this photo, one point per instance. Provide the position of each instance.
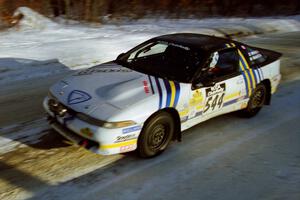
(226, 90)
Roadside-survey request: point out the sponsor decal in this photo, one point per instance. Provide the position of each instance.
(175, 45)
(101, 70)
(214, 97)
(127, 148)
(184, 111)
(125, 138)
(215, 90)
(118, 145)
(146, 88)
(193, 107)
(197, 100)
(253, 53)
(131, 129)
(77, 96)
(87, 132)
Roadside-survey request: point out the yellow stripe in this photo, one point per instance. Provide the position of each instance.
(247, 65)
(119, 144)
(243, 58)
(247, 78)
(253, 79)
(232, 44)
(231, 96)
(227, 45)
(173, 93)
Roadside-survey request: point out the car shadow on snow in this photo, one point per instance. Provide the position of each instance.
(23, 85)
(51, 140)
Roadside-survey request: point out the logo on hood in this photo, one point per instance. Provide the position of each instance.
(77, 96)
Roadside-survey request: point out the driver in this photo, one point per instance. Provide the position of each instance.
(213, 68)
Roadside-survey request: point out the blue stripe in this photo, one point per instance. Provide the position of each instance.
(254, 76)
(246, 83)
(159, 92)
(151, 84)
(234, 101)
(261, 73)
(251, 81)
(177, 86)
(198, 113)
(230, 102)
(247, 71)
(241, 69)
(168, 88)
(257, 71)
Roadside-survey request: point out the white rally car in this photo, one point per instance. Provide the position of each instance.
(149, 95)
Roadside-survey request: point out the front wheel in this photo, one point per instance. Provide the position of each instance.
(256, 101)
(156, 135)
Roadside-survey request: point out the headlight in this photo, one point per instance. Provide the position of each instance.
(118, 124)
(104, 124)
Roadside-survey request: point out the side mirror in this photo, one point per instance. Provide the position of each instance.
(203, 84)
(209, 83)
(197, 86)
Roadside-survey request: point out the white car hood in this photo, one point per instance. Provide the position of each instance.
(107, 88)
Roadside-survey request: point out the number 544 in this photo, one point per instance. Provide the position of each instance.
(213, 102)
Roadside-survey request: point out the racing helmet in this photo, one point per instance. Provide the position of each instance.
(214, 60)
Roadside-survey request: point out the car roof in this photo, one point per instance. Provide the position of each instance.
(194, 40)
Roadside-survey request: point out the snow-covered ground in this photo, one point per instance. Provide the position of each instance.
(224, 158)
(39, 47)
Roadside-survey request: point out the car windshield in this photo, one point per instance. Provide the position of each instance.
(163, 59)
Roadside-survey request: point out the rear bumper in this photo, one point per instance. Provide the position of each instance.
(275, 82)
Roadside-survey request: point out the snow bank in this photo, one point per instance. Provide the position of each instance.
(32, 19)
(24, 50)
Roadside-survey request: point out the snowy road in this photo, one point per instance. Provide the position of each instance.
(224, 158)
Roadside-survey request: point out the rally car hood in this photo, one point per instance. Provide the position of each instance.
(107, 88)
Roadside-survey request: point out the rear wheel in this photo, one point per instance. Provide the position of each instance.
(156, 135)
(256, 101)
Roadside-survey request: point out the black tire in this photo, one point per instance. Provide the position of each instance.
(256, 101)
(156, 135)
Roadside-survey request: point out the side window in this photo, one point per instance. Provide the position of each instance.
(223, 63)
(149, 50)
(255, 56)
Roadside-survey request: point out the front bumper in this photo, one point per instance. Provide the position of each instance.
(93, 138)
